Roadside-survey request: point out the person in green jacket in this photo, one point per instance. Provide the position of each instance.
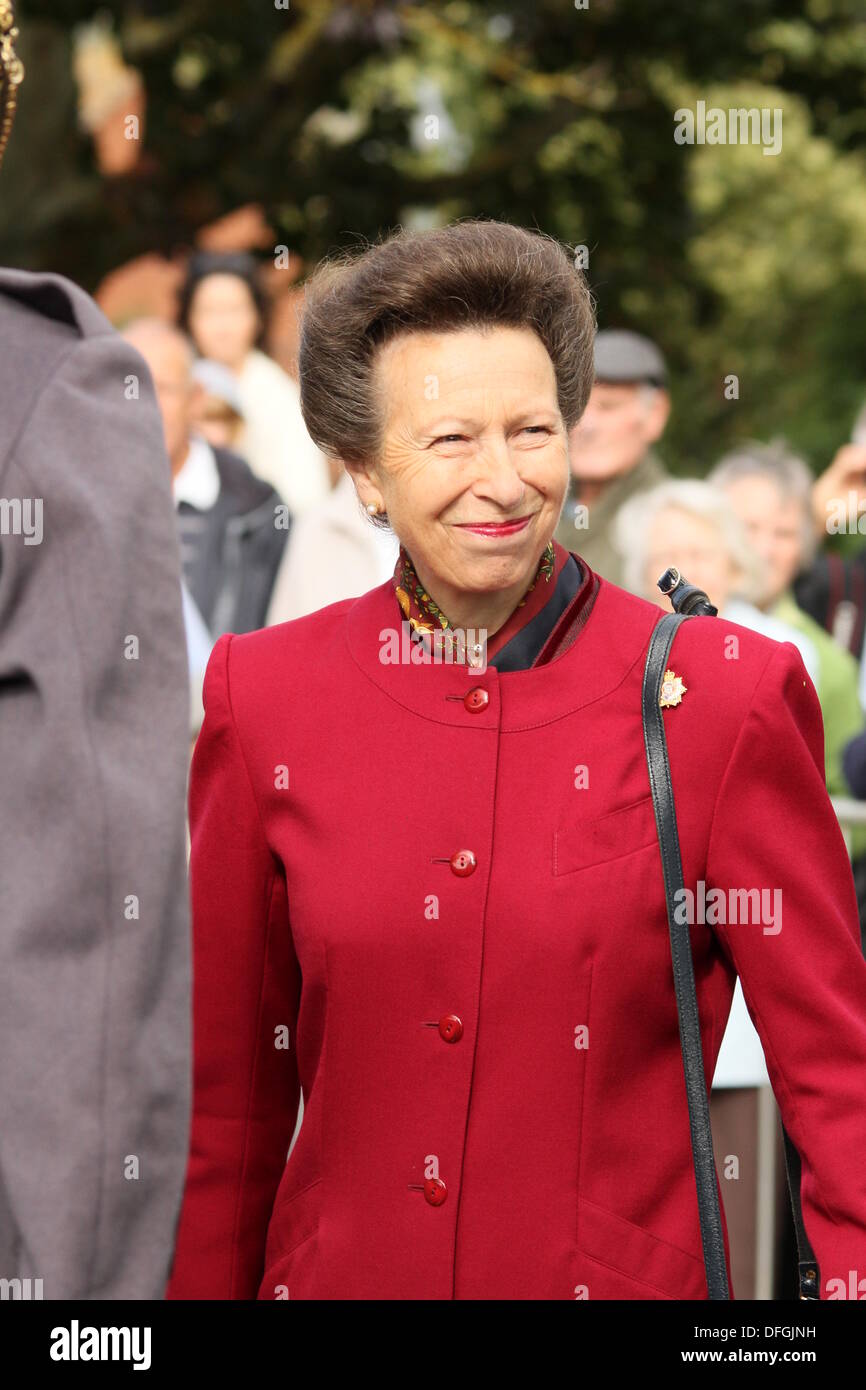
(770, 488)
(611, 446)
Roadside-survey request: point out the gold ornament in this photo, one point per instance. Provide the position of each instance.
(672, 690)
(11, 72)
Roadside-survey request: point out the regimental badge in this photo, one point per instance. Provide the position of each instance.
(672, 690)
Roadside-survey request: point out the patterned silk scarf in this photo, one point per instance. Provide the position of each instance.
(533, 633)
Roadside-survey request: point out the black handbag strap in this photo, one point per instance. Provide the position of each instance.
(807, 1265)
(709, 1210)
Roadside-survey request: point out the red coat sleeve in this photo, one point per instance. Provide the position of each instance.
(805, 985)
(246, 986)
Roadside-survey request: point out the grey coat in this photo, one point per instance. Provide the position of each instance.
(94, 935)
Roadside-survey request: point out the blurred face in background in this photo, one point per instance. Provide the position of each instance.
(774, 525)
(215, 420)
(224, 320)
(619, 424)
(696, 548)
(169, 356)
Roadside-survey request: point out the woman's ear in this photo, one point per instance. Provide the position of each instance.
(368, 492)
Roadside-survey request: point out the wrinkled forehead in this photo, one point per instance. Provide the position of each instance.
(420, 372)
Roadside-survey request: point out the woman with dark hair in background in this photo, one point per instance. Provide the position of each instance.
(223, 310)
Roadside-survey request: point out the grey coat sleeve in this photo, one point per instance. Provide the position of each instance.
(94, 931)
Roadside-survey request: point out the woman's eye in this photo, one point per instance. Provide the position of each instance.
(462, 438)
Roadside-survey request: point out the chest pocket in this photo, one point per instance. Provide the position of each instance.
(600, 840)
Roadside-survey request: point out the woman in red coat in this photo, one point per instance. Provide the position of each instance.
(426, 884)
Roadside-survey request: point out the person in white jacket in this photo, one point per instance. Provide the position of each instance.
(223, 311)
(333, 552)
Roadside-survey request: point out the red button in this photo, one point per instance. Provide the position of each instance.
(463, 863)
(435, 1191)
(450, 1028)
(476, 699)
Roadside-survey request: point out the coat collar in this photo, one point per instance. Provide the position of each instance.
(612, 640)
(198, 481)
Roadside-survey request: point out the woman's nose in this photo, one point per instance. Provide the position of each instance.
(498, 477)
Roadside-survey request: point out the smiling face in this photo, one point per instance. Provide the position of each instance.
(474, 461)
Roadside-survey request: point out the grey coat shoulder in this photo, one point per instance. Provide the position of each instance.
(43, 318)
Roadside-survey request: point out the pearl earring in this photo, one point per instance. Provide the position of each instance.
(373, 508)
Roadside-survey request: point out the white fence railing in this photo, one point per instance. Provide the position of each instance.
(849, 813)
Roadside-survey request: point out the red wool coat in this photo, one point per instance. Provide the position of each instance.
(443, 918)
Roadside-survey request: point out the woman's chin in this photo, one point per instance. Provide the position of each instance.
(494, 572)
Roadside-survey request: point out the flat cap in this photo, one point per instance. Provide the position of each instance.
(621, 355)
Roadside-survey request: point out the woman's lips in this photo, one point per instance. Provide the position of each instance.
(495, 528)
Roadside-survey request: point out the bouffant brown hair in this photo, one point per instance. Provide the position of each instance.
(471, 274)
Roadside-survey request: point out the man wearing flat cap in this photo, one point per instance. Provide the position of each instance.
(94, 703)
(611, 447)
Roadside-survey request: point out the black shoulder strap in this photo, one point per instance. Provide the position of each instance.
(681, 955)
(709, 1209)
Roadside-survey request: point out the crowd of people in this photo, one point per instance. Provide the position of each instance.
(268, 534)
(751, 534)
(132, 598)
(253, 494)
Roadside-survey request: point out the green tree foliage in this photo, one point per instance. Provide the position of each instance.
(549, 115)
